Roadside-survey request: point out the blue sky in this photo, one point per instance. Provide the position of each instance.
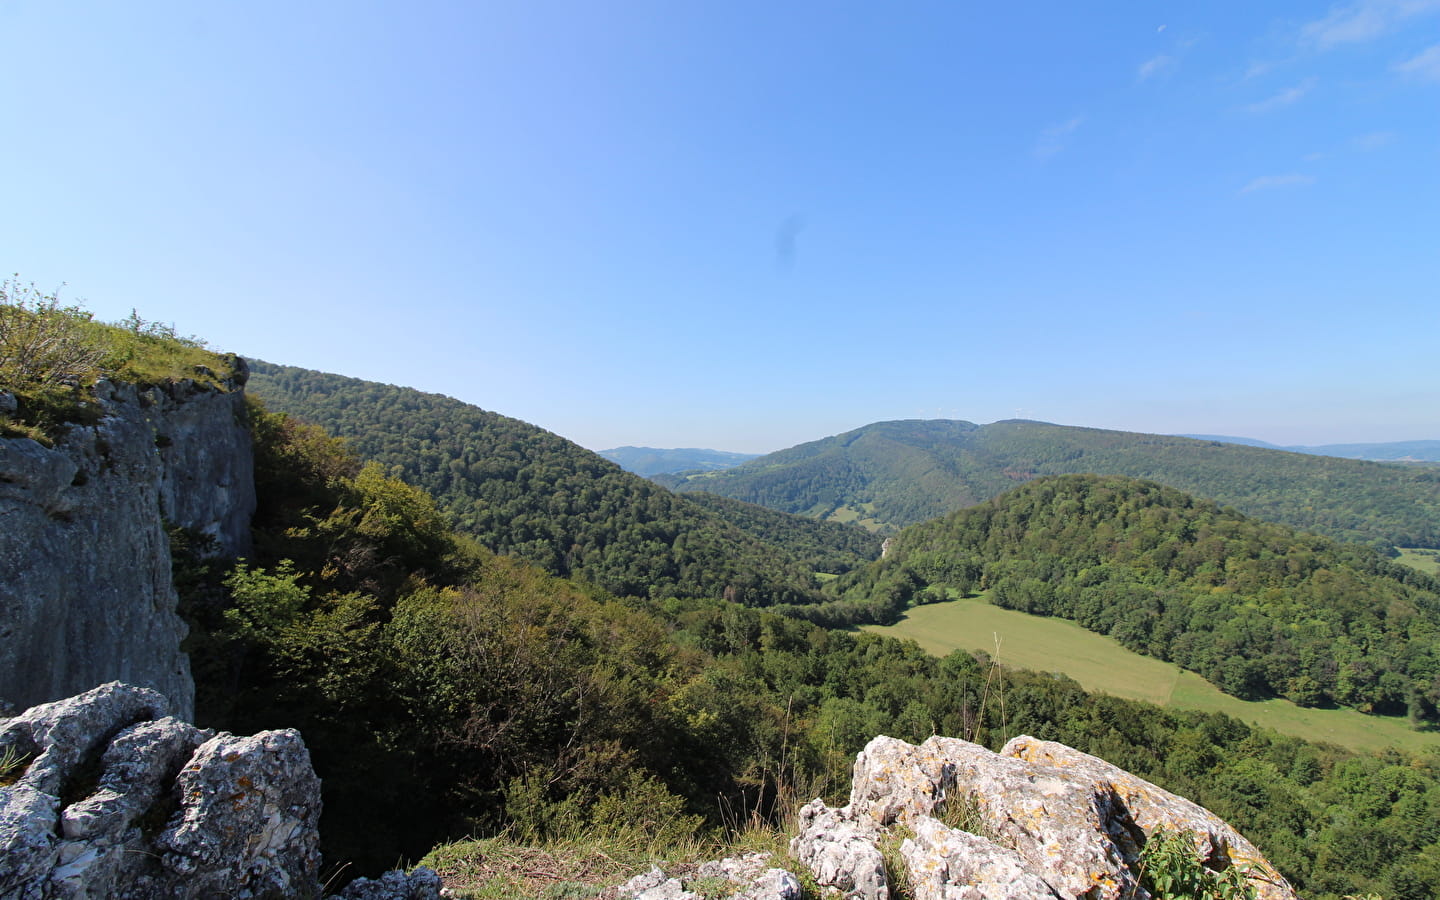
(745, 225)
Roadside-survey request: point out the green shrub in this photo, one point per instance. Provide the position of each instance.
(1170, 870)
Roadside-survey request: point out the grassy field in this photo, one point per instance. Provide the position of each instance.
(1101, 664)
(1427, 561)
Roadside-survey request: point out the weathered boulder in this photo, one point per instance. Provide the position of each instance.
(115, 799)
(841, 850)
(87, 596)
(757, 878)
(1037, 820)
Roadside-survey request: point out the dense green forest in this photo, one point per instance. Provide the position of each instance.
(446, 692)
(523, 491)
(1259, 609)
(901, 473)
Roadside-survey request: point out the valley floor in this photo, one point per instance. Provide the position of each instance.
(1099, 663)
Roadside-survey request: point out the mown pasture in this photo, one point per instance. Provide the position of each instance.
(1099, 663)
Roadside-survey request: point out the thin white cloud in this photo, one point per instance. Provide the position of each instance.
(1373, 141)
(1271, 182)
(1257, 69)
(1426, 65)
(1052, 140)
(1156, 65)
(1284, 98)
(1363, 21)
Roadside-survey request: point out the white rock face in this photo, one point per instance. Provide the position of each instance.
(87, 596)
(1040, 820)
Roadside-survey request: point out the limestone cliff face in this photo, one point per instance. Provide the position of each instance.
(85, 590)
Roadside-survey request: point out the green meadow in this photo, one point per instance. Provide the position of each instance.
(1100, 664)
(1427, 561)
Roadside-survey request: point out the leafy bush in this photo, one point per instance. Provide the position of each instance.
(1170, 870)
(44, 343)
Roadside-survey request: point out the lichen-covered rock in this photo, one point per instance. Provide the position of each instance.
(115, 748)
(841, 851)
(1151, 808)
(758, 880)
(420, 884)
(654, 885)
(946, 864)
(896, 781)
(87, 595)
(105, 850)
(1039, 820)
(248, 820)
(116, 799)
(1064, 830)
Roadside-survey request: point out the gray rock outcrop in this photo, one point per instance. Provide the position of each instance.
(105, 795)
(112, 797)
(86, 595)
(1037, 819)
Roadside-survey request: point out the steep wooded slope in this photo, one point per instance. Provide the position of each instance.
(901, 473)
(526, 492)
(1257, 608)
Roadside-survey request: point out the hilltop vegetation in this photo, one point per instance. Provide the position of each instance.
(523, 491)
(51, 355)
(901, 473)
(1256, 608)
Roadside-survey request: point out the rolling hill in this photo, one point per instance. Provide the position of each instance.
(649, 461)
(892, 474)
(1258, 609)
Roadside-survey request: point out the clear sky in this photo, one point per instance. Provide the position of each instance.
(745, 225)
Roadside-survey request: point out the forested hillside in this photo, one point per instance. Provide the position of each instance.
(523, 491)
(445, 692)
(1257, 608)
(893, 474)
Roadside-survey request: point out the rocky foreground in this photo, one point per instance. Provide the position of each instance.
(105, 794)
